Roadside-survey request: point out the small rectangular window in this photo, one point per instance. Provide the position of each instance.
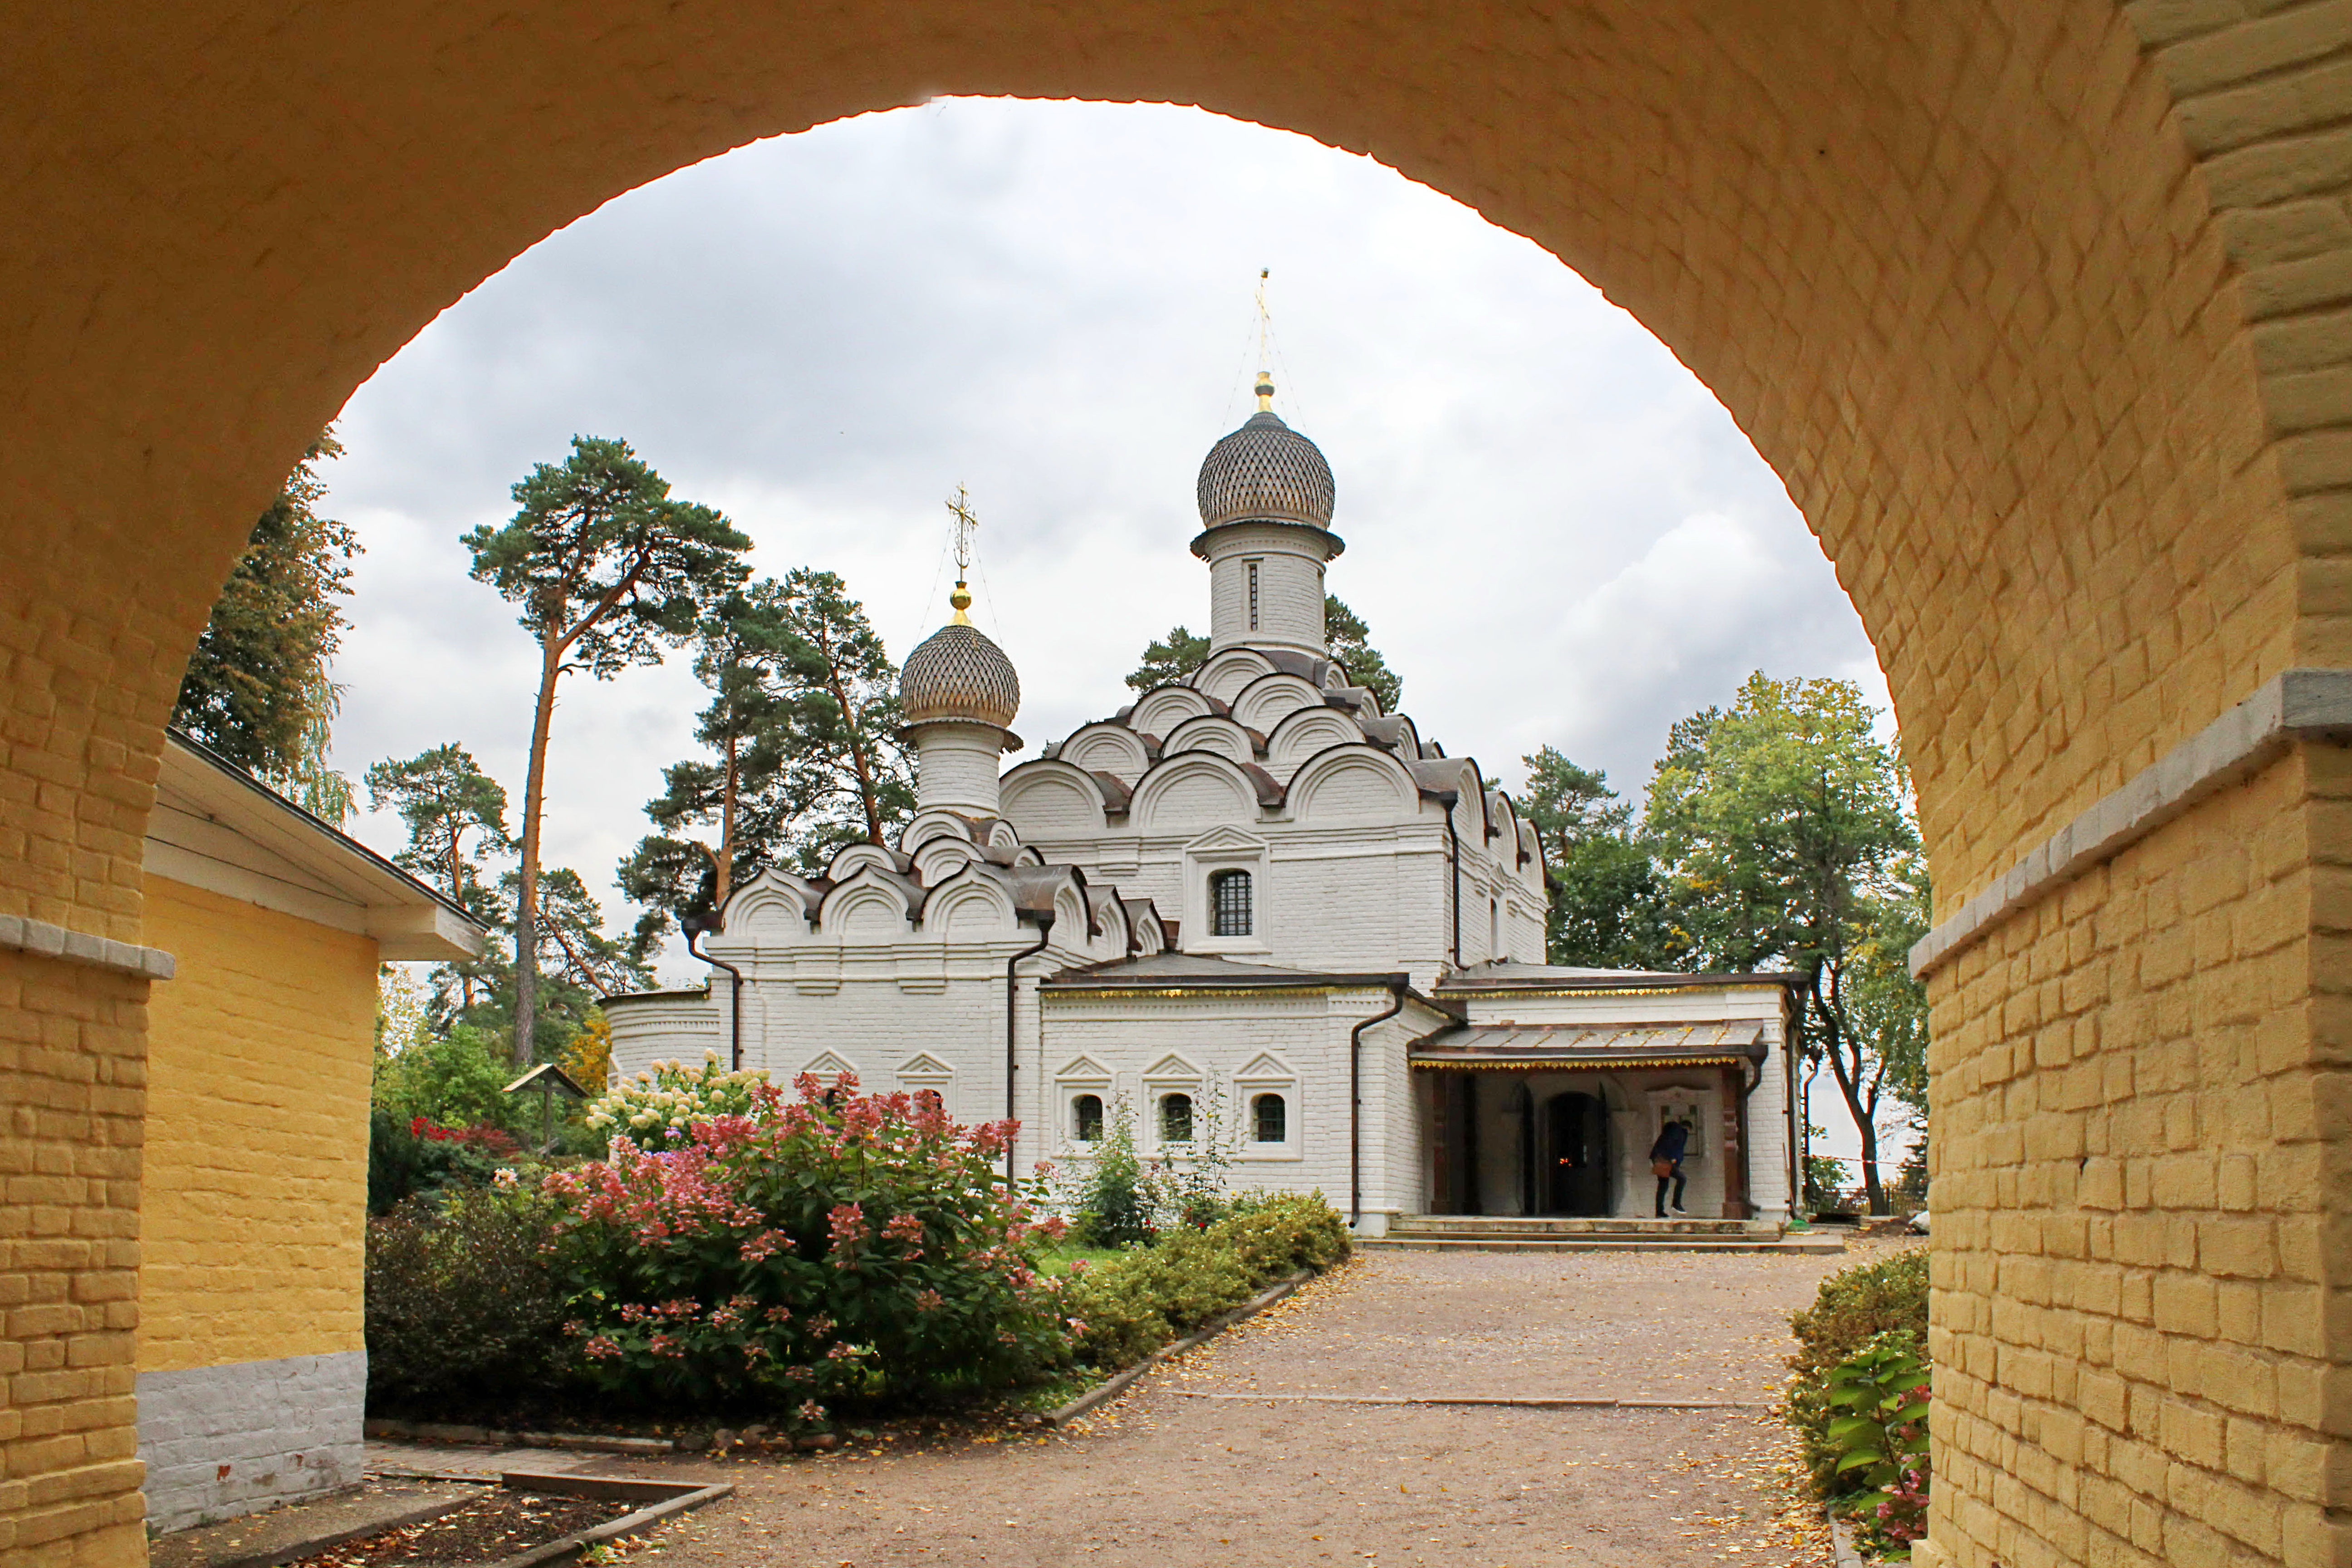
(1087, 1110)
(1253, 574)
(1270, 1119)
(1229, 904)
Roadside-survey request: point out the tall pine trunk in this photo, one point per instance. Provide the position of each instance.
(526, 1019)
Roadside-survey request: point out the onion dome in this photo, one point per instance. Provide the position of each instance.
(1265, 472)
(958, 673)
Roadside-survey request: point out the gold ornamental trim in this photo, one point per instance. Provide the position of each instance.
(1575, 1063)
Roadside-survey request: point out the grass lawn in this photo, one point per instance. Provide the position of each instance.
(1057, 1259)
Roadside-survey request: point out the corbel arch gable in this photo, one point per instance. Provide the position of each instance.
(773, 906)
(1224, 674)
(1195, 790)
(1354, 782)
(1211, 732)
(1113, 937)
(1272, 698)
(852, 859)
(868, 907)
(1104, 747)
(1307, 732)
(974, 906)
(1054, 798)
(943, 858)
(1163, 707)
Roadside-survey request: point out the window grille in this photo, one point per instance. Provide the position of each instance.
(1253, 590)
(1176, 1118)
(1270, 1119)
(1229, 904)
(1087, 1112)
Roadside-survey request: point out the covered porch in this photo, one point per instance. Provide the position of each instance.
(1556, 1120)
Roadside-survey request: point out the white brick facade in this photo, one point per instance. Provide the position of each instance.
(1236, 870)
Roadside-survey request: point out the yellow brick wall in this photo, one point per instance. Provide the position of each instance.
(259, 1058)
(2042, 310)
(72, 1076)
(2139, 1184)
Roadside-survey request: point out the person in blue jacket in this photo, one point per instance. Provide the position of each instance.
(1667, 1161)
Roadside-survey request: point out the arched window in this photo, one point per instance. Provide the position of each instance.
(1087, 1116)
(1229, 904)
(1269, 1120)
(1175, 1118)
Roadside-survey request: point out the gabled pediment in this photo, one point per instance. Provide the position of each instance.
(922, 1064)
(1264, 1068)
(1083, 1069)
(828, 1064)
(1172, 1066)
(1227, 836)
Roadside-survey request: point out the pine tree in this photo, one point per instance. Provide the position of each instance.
(259, 689)
(608, 570)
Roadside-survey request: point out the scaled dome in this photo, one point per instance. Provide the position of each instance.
(958, 673)
(1265, 472)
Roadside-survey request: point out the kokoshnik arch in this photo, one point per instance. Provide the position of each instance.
(2041, 310)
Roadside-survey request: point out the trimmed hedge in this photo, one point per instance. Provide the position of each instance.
(1135, 1303)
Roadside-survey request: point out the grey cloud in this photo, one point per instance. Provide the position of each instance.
(824, 334)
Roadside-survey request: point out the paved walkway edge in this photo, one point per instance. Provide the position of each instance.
(591, 1485)
(1117, 1385)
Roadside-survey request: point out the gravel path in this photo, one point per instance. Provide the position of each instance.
(1165, 1478)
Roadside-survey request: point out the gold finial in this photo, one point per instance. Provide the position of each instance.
(966, 524)
(1265, 334)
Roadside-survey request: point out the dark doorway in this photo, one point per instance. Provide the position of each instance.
(1579, 1147)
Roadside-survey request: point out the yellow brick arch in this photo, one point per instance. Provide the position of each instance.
(2033, 306)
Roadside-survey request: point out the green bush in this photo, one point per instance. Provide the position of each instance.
(457, 1079)
(461, 1305)
(1137, 1302)
(1853, 1308)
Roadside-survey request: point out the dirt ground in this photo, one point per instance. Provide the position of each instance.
(1166, 1478)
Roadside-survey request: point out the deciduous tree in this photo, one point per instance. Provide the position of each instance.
(1787, 826)
(608, 570)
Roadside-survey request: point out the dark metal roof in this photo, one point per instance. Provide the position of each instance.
(1567, 977)
(1194, 969)
(1569, 1047)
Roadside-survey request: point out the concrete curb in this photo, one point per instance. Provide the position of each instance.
(492, 1437)
(1116, 1385)
(327, 1540)
(1841, 1537)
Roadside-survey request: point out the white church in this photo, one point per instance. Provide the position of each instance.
(1250, 906)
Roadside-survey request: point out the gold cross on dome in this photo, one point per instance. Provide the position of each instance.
(966, 524)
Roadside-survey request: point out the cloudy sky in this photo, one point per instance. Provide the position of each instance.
(1557, 535)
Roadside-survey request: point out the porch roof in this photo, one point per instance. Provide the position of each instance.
(1577, 1046)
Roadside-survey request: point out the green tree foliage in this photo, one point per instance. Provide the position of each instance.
(804, 750)
(1351, 648)
(257, 689)
(1610, 904)
(608, 570)
(1170, 659)
(457, 819)
(455, 1078)
(1180, 653)
(1786, 828)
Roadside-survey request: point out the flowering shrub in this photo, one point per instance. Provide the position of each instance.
(656, 1109)
(1882, 1439)
(804, 1249)
(1854, 1307)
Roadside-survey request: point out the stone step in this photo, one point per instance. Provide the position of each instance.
(1555, 1224)
(1802, 1243)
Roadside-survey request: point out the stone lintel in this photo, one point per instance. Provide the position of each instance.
(2295, 705)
